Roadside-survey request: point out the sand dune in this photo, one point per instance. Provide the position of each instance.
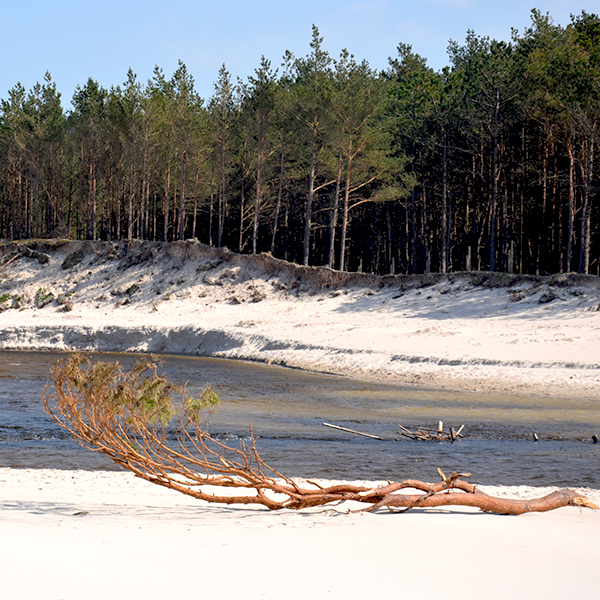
(473, 331)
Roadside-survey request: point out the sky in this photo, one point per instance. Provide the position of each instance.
(74, 40)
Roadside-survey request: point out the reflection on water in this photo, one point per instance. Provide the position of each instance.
(287, 409)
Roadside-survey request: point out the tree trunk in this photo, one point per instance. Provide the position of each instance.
(444, 209)
(242, 202)
(166, 203)
(37, 195)
(334, 212)
(211, 208)
(222, 193)
(181, 216)
(542, 226)
(391, 267)
(259, 189)
(571, 207)
(425, 246)
(309, 202)
(493, 215)
(192, 460)
(413, 230)
(49, 191)
(586, 175)
(130, 206)
(196, 185)
(279, 197)
(311, 193)
(346, 207)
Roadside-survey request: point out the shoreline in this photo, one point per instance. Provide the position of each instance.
(432, 381)
(472, 374)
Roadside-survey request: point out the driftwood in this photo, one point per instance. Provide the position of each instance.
(11, 259)
(125, 416)
(423, 434)
(448, 493)
(375, 437)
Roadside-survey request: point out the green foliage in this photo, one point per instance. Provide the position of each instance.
(405, 170)
(547, 297)
(64, 298)
(208, 266)
(140, 393)
(74, 258)
(43, 297)
(194, 406)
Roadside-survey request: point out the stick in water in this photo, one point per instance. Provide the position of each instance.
(352, 431)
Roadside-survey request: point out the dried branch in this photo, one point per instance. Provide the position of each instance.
(127, 417)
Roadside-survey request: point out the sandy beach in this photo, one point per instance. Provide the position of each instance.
(87, 535)
(97, 535)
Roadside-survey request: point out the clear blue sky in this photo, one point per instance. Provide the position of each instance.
(102, 39)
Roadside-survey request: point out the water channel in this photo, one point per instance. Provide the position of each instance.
(287, 409)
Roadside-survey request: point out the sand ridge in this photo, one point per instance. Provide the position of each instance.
(474, 331)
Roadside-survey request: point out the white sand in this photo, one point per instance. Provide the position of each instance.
(136, 540)
(450, 335)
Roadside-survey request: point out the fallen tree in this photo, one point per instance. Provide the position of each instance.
(131, 418)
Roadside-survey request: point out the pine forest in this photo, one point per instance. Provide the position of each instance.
(492, 163)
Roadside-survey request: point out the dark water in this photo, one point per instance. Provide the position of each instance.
(287, 409)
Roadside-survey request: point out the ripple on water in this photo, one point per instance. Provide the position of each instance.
(287, 408)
